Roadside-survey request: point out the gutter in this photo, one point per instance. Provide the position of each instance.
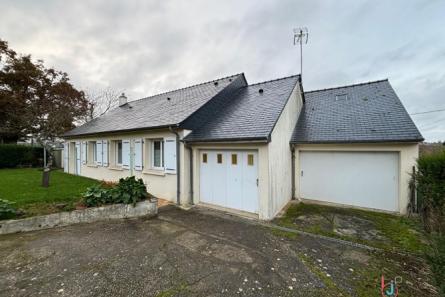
(178, 166)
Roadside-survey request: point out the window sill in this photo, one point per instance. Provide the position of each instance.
(154, 172)
(117, 168)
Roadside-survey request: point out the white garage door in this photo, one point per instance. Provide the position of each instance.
(229, 179)
(365, 179)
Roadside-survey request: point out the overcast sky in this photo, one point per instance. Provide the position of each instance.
(147, 47)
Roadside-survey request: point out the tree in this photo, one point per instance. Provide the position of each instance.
(35, 100)
(100, 102)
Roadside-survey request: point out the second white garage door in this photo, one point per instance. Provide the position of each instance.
(229, 179)
(364, 179)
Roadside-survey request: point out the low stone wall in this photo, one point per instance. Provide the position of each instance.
(117, 211)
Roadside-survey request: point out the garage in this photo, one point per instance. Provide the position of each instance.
(362, 179)
(229, 179)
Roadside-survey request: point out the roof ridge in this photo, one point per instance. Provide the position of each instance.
(348, 86)
(267, 81)
(183, 88)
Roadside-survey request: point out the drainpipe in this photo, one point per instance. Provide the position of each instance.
(293, 172)
(178, 167)
(191, 174)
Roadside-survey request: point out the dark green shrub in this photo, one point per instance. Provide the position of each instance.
(436, 258)
(7, 210)
(96, 196)
(430, 181)
(129, 190)
(13, 155)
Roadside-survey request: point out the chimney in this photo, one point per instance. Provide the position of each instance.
(122, 99)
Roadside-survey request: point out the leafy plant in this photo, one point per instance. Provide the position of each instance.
(96, 196)
(129, 190)
(7, 210)
(436, 259)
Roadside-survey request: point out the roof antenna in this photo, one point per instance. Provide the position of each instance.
(301, 36)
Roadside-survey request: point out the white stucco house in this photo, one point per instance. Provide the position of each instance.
(250, 149)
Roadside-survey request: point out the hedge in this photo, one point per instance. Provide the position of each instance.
(13, 155)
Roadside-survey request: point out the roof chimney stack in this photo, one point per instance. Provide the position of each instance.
(122, 99)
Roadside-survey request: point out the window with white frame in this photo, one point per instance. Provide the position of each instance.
(93, 145)
(118, 152)
(157, 154)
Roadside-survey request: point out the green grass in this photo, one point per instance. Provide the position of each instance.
(402, 233)
(23, 187)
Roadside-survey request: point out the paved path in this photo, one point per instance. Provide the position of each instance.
(181, 253)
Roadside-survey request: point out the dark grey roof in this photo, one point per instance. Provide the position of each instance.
(372, 112)
(247, 114)
(162, 110)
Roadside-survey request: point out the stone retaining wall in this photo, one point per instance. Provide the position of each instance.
(116, 211)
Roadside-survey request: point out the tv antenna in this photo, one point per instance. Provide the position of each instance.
(301, 36)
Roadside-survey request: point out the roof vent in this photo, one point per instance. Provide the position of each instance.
(168, 98)
(261, 91)
(230, 79)
(341, 97)
(122, 99)
(215, 83)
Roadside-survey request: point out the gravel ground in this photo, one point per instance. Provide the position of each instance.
(181, 253)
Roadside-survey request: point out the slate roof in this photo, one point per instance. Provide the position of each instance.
(162, 110)
(247, 114)
(372, 112)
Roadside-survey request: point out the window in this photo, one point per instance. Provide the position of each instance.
(158, 154)
(118, 152)
(94, 151)
(250, 159)
(234, 159)
(204, 158)
(219, 158)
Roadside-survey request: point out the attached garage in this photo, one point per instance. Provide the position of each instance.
(229, 179)
(361, 179)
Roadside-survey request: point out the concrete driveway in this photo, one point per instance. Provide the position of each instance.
(180, 253)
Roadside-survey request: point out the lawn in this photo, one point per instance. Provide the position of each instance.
(23, 187)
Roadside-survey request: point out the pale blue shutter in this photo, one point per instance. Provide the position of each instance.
(99, 152)
(138, 159)
(65, 156)
(84, 152)
(105, 153)
(170, 155)
(126, 154)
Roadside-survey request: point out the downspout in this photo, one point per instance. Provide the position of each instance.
(178, 167)
(191, 172)
(293, 172)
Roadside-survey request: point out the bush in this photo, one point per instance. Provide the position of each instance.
(127, 191)
(436, 259)
(95, 196)
(430, 181)
(13, 155)
(7, 210)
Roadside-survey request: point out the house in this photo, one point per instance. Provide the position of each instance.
(250, 149)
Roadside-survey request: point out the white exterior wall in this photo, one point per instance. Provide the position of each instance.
(158, 182)
(263, 171)
(280, 156)
(408, 154)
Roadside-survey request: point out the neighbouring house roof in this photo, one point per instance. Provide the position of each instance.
(162, 110)
(247, 114)
(361, 113)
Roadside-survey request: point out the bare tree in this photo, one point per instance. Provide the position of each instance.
(101, 101)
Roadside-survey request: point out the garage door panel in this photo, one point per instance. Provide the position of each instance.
(230, 180)
(365, 179)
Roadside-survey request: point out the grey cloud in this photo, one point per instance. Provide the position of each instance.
(146, 47)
